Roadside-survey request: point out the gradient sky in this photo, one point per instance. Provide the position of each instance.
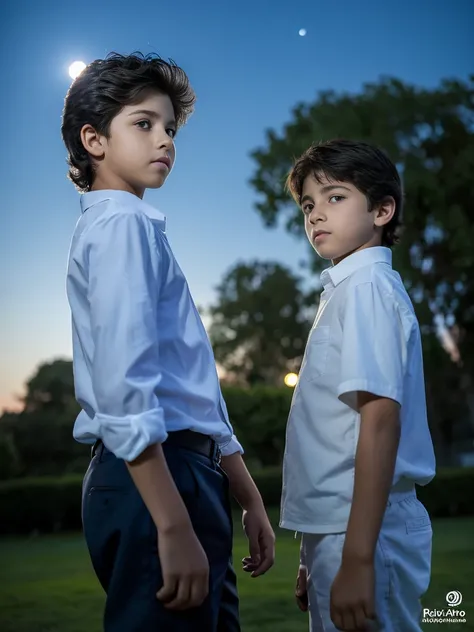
(248, 66)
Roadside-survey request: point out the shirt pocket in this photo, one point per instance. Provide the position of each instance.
(316, 356)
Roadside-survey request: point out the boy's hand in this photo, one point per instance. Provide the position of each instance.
(301, 590)
(353, 596)
(185, 569)
(261, 539)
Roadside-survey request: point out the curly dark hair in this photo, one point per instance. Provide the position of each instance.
(365, 166)
(101, 91)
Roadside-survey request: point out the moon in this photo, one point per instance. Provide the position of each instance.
(76, 68)
(302, 32)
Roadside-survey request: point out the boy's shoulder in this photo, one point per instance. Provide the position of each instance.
(381, 279)
(102, 210)
(97, 204)
(106, 218)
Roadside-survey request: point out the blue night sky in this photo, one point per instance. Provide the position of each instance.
(248, 66)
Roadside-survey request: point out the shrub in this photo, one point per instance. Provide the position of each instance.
(258, 416)
(53, 504)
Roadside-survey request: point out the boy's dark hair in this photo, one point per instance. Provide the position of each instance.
(366, 167)
(101, 91)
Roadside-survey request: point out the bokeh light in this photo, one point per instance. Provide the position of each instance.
(291, 379)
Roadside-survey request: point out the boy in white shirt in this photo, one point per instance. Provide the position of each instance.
(358, 439)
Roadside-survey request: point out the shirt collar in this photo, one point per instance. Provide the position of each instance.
(338, 273)
(128, 200)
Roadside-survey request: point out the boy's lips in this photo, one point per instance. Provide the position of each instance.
(163, 160)
(319, 234)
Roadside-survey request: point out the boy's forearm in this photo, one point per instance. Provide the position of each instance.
(156, 486)
(241, 483)
(374, 469)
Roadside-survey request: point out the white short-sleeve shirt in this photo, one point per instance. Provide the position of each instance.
(365, 338)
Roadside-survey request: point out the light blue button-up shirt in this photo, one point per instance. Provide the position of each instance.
(143, 363)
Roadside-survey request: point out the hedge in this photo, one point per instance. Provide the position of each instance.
(48, 505)
(40, 443)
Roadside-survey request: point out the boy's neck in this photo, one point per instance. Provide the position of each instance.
(371, 244)
(116, 184)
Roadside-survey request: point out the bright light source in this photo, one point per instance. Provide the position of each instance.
(291, 379)
(302, 32)
(76, 68)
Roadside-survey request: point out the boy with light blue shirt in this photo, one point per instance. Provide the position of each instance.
(156, 510)
(357, 438)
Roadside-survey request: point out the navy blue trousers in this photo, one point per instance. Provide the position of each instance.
(122, 542)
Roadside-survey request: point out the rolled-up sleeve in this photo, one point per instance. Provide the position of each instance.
(124, 284)
(231, 447)
(374, 345)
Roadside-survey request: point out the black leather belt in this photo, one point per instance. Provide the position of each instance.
(187, 439)
(194, 441)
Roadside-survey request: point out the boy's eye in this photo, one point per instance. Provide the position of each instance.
(307, 208)
(145, 124)
(334, 199)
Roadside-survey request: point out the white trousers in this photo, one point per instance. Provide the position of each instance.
(402, 567)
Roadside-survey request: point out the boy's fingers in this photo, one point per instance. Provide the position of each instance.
(360, 619)
(265, 565)
(369, 611)
(302, 603)
(267, 559)
(254, 550)
(168, 590)
(199, 592)
(301, 590)
(181, 599)
(301, 582)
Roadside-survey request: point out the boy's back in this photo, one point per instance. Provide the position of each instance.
(143, 299)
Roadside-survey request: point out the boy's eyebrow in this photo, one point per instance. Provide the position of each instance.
(331, 187)
(151, 114)
(325, 189)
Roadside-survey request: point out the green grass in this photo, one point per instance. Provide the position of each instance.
(47, 585)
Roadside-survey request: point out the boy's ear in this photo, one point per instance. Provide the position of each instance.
(385, 211)
(92, 141)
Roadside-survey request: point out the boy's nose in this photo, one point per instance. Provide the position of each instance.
(315, 217)
(165, 142)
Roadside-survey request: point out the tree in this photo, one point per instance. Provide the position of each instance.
(260, 321)
(39, 441)
(429, 134)
(51, 388)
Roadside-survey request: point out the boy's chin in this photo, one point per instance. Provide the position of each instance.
(323, 253)
(154, 183)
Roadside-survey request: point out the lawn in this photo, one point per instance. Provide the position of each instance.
(46, 583)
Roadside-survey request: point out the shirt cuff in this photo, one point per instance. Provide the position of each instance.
(231, 447)
(127, 437)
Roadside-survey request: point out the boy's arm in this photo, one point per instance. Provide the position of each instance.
(373, 362)
(255, 520)
(373, 359)
(241, 483)
(124, 281)
(374, 470)
(124, 265)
